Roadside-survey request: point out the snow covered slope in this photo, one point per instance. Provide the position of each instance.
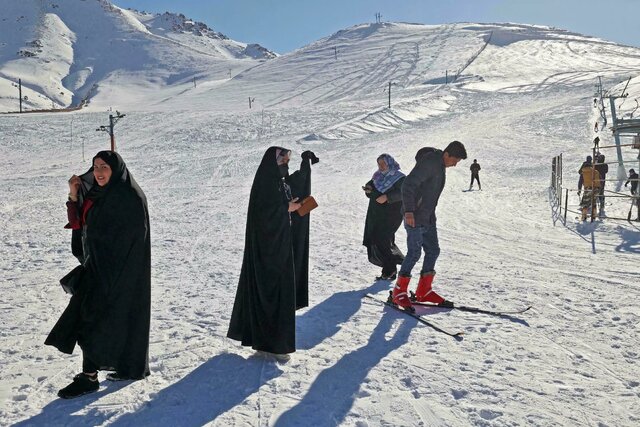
(69, 50)
(199, 36)
(570, 361)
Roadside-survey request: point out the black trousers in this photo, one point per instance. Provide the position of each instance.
(477, 178)
(88, 365)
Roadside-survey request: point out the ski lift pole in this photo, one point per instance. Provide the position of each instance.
(113, 138)
(20, 93)
(109, 129)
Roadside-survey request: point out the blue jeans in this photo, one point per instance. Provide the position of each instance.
(420, 238)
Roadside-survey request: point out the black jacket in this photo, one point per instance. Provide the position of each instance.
(634, 184)
(422, 188)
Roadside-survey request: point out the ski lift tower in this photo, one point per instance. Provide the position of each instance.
(624, 128)
(109, 129)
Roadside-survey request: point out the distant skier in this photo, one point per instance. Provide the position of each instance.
(420, 193)
(475, 174)
(595, 127)
(595, 102)
(591, 180)
(633, 179)
(581, 180)
(602, 169)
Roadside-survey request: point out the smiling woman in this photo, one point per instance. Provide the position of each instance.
(109, 312)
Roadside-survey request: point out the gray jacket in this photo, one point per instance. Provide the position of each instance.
(422, 188)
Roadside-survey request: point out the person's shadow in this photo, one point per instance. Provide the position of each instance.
(324, 320)
(332, 394)
(213, 388)
(63, 411)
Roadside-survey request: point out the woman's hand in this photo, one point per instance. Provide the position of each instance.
(367, 189)
(293, 205)
(74, 185)
(382, 199)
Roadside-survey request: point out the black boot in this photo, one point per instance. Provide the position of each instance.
(82, 384)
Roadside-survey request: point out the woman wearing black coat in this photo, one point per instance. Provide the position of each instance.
(263, 314)
(384, 216)
(109, 312)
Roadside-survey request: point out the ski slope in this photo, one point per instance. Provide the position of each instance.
(571, 360)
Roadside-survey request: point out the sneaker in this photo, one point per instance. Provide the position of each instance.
(391, 276)
(114, 376)
(82, 384)
(274, 356)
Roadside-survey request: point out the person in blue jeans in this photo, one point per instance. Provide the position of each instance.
(420, 193)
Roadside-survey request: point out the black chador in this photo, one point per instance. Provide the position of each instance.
(300, 182)
(263, 314)
(109, 313)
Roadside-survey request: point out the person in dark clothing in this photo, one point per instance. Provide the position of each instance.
(300, 183)
(384, 216)
(475, 174)
(109, 312)
(581, 179)
(633, 179)
(602, 169)
(591, 179)
(420, 194)
(263, 315)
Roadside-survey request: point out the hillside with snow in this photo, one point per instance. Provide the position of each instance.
(516, 95)
(70, 51)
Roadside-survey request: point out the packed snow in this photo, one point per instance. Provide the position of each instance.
(521, 96)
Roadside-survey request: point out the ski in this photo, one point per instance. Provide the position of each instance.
(474, 309)
(456, 335)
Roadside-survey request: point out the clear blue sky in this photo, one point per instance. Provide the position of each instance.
(284, 25)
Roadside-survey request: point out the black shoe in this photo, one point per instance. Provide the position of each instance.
(82, 384)
(391, 276)
(114, 376)
(446, 304)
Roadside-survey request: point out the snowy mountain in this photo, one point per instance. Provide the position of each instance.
(199, 36)
(517, 96)
(67, 51)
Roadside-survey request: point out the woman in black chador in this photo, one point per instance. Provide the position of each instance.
(384, 216)
(263, 314)
(300, 183)
(109, 312)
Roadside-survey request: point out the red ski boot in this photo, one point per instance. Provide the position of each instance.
(424, 293)
(400, 296)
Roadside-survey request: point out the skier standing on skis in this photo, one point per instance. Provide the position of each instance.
(475, 173)
(602, 169)
(581, 180)
(420, 193)
(591, 179)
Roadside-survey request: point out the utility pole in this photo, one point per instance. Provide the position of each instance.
(20, 93)
(389, 94)
(251, 100)
(446, 77)
(112, 123)
(335, 52)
